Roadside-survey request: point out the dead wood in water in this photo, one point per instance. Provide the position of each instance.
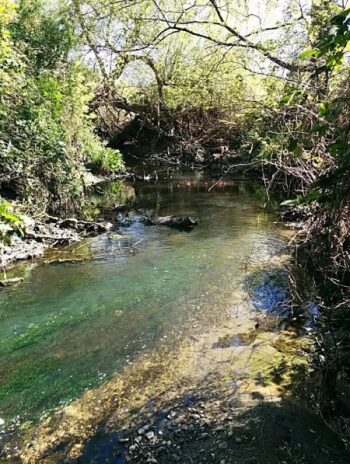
(8, 282)
(183, 223)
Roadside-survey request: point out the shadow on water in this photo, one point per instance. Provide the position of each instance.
(268, 290)
(214, 422)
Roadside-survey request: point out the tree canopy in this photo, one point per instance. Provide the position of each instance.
(71, 70)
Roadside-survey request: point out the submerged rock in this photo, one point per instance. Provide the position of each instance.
(268, 290)
(269, 297)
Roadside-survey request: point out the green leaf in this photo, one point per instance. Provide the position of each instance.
(339, 19)
(321, 129)
(293, 143)
(331, 61)
(307, 143)
(308, 53)
(313, 195)
(298, 150)
(12, 217)
(286, 99)
(3, 208)
(324, 109)
(339, 148)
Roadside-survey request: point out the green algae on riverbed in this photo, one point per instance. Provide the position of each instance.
(163, 376)
(161, 380)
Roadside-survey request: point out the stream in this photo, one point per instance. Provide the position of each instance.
(71, 326)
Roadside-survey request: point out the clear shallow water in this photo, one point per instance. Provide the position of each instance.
(71, 326)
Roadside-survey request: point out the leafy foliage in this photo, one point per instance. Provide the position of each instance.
(46, 134)
(9, 221)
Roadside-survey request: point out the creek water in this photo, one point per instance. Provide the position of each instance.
(71, 326)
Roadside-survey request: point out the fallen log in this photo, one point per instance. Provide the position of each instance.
(66, 261)
(8, 282)
(182, 223)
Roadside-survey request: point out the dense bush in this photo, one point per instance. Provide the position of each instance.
(46, 133)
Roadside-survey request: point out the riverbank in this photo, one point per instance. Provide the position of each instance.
(49, 232)
(27, 235)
